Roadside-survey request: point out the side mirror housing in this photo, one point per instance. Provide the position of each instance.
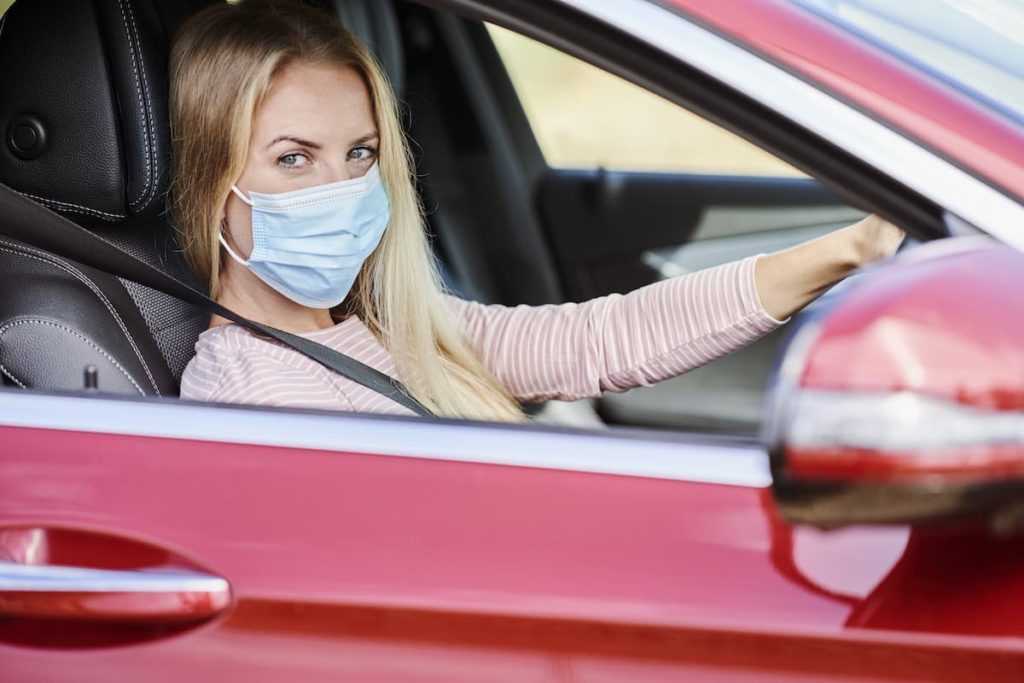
(904, 402)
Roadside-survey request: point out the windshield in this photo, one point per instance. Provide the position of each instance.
(976, 46)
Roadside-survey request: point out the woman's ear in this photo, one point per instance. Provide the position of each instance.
(224, 227)
(224, 212)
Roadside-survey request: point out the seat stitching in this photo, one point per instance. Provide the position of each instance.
(88, 341)
(68, 268)
(150, 129)
(10, 375)
(67, 206)
(136, 60)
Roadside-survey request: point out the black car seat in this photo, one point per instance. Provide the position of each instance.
(84, 123)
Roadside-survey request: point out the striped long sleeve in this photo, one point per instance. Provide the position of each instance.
(618, 342)
(566, 351)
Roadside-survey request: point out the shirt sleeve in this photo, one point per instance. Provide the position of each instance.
(618, 342)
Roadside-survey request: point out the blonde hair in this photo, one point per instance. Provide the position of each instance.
(223, 64)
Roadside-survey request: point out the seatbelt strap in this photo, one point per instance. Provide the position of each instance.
(36, 225)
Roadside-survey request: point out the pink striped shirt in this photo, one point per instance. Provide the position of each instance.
(565, 352)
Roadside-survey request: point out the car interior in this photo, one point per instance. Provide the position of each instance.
(85, 93)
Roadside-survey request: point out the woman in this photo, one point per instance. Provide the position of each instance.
(293, 192)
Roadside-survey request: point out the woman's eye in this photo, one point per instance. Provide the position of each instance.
(293, 160)
(362, 153)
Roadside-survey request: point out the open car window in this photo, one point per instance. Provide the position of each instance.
(584, 117)
(683, 194)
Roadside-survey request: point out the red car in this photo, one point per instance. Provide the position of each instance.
(872, 531)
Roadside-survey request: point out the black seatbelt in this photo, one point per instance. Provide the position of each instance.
(34, 224)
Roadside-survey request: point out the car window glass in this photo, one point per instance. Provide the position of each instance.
(584, 117)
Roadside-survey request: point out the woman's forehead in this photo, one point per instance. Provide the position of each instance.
(315, 101)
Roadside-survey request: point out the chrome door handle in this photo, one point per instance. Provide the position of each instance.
(82, 593)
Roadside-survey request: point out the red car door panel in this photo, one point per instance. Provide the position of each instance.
(386, 568)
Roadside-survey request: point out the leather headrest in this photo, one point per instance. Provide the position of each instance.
(84, 108)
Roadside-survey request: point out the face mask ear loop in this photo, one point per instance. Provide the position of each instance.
(238, 193)
(224, 242)
(231, 251)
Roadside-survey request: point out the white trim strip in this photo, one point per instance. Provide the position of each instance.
(531, 446)
(898, 157)
(36, 578)
(901, 421)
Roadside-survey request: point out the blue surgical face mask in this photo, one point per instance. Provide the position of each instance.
(310, 244)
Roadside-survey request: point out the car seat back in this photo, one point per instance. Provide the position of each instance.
(85, 132)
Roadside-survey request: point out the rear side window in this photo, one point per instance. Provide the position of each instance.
(584, 117)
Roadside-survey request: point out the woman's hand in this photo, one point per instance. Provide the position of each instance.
(877, 238)
(789, 280)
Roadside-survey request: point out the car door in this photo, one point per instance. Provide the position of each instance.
(366, 548)
(292, 545)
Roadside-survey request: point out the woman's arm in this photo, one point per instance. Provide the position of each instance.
(789, 280)
(619, 342)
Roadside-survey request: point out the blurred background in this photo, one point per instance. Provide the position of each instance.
(585, 117)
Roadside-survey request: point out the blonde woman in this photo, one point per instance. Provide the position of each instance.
(293, 192)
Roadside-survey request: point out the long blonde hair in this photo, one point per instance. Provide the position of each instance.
(222, 67)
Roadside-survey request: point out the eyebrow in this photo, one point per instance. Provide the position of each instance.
(292, 138)
(366, 138)
(313, 145)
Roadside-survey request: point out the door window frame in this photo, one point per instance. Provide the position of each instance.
(865, 162)
(677, 456)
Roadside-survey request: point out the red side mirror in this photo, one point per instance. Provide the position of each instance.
(905, 401)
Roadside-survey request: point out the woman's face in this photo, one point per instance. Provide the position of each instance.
(316, 126)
